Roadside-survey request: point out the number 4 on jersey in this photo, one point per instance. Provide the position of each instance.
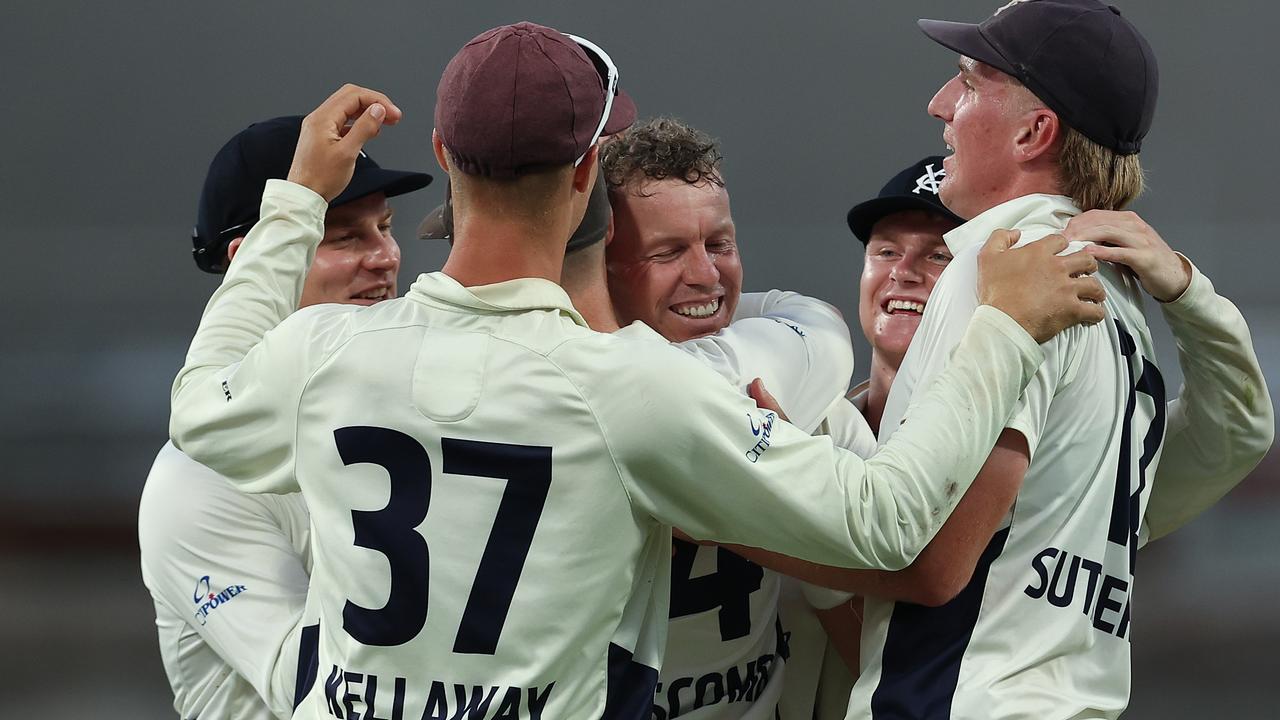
(729, 588)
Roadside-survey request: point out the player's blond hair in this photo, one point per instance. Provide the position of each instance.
(1096, 177)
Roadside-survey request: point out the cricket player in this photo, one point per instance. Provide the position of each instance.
(228, 571)
(1022, 603)
(456, 446)
(674, 265)
(673, 208)
(1218, 429)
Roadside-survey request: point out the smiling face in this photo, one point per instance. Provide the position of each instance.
(673, 262)
(983, 109)
(905, 256)
(358, 259)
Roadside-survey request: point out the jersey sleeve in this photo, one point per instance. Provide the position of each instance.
(797, 345)
(693, 452)
(234, 403)
(200, 537)
(1222, 424)
(848, 429)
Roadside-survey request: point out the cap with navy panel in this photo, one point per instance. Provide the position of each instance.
(915, 188)
(1084, 59)
(232, 192)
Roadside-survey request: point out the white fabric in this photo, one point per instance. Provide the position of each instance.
(228, 574)
(1222, 422)
(1028, 657)
(627, 421)
(720, 665)
(820, 684)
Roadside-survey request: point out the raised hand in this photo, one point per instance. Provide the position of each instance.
(333, 136)
(1123, 237)
(1044, 292)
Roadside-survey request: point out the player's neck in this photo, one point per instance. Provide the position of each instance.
(1040, 180)
(585, 280)
(596, 308)
(883, 372)
(486, 252)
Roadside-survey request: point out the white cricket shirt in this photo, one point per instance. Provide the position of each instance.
(228, 574)
(1042, 631)
(492, 484)
(727, 650)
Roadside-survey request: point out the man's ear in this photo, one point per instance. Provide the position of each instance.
(437, 145)
(608, 232)
(232, 247)
(583, 175)
(1038, 134)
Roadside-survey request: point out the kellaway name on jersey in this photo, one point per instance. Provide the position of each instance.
(1105, 597)
(354, 696)
(738, 684)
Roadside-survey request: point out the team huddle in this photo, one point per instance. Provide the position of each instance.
(578, 472)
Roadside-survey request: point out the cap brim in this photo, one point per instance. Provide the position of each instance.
(623, 114)
(966, 39)
(864, 216)
(390, 182)
(433, 226)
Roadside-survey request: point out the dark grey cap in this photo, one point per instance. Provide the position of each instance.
(1081, 57)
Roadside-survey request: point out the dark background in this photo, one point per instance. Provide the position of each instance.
(113, 110)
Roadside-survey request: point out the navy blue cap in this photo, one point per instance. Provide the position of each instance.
(915, 188)
(1081, 57)
(232, 193)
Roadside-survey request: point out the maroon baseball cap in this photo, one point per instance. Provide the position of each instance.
(1081, 57)
(522, 98)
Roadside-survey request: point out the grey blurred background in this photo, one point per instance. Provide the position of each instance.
(113, 110)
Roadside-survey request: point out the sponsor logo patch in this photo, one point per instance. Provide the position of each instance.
(207, 600)
(761, 430)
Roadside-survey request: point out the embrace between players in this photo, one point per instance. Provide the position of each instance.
(490, 467)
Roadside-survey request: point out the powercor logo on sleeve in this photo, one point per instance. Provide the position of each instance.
(207, 600)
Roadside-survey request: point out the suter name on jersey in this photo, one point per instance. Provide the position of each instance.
(1065, 580)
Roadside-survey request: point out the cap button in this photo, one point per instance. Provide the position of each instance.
(1114, 9)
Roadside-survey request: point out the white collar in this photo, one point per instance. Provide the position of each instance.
(1051, 211)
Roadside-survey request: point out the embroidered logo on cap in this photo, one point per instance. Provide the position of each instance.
(931, 180)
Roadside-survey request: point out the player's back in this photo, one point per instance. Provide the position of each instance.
(1062, 580)
(478, 549)
(1042, 630)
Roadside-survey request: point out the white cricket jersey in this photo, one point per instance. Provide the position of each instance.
(1042, 630)
(228, 574)
(492, 484)
(727, 650)
(818, 681)
(1222, 424)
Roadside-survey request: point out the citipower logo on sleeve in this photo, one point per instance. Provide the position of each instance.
(207, 600)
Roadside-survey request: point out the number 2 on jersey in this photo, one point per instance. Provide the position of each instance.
(392, 532)
(1126, 508)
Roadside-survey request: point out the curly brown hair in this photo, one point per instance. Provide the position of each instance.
(660, 149)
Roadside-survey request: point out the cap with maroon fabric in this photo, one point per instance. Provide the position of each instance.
(1081, 57)
(519, 98)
